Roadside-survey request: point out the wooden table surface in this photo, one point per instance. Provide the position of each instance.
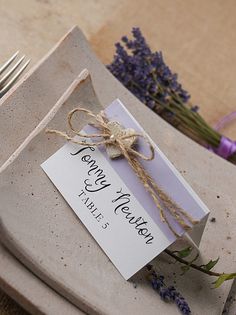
(197, 37)
(198, 40)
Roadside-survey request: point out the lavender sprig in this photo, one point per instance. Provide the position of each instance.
(147, 76)
(204, 268)
(167, 293)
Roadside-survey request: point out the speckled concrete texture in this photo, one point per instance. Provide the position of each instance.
(28, 231)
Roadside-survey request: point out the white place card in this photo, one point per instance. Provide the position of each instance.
(108, 198)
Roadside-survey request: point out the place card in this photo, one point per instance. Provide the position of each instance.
(113, 204)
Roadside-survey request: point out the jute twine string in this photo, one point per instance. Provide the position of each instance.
(162, 201)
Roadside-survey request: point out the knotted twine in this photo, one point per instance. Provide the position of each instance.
(123, 141)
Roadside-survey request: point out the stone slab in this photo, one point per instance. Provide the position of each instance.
(15, 279)
(28, 233)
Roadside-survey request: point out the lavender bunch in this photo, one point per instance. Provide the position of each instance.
(167, 294)
(148, 77)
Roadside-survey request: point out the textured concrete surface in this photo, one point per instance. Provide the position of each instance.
(34, 27)
(197, 37)
(15, 279)
(22, 223)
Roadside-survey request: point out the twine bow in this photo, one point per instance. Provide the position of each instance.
(119, 141)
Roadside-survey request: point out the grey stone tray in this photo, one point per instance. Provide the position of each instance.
(15, 279)
(41, 230)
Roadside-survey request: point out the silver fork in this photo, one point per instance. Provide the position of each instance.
(6, 79)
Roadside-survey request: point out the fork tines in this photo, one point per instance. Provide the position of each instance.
(9, 78)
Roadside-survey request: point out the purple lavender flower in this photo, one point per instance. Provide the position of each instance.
(168, 294)
(195, 108)
(145, 73)
(148, 77)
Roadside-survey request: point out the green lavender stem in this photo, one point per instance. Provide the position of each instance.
(192, 265)
(191, 123)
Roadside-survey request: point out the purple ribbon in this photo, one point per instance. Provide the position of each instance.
(226, 147)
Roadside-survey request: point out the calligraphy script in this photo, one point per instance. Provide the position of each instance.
(141, 225)
(97, 179)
